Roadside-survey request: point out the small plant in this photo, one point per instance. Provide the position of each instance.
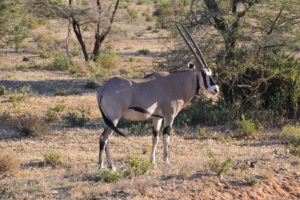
(32, 125)
(202, 132)
(76, 118)
(108, 60)
(139, 166)
(16, 99)
(60, 63)
(2, 190)
(218, 167)
(51, 117)
(59, 108)
(9, 162)
(246, 128)
(5, 116)
(134, 59)
(251, 180)
(108, 175)
(52, 159)
(293, 135)
(3, 90)
(61, 93)
(144, 52)
(91, 85)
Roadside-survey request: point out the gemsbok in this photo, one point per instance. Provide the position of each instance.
(159, 96)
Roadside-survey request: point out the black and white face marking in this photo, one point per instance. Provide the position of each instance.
(207, 82)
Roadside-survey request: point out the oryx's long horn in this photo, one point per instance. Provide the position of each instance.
(189, 45)
(196, 46)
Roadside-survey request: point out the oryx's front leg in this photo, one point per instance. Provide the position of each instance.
(168, 122)
(155, 137)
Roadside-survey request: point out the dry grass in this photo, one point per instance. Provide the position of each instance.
(9, 162)
(32, 125)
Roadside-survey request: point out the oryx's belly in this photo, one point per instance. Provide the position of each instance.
(135, 116)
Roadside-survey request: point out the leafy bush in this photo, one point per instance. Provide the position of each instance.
(60, 63)
(52, 159)
(32, 125)
(139, 166)
(218, 167)
(204, 112)
(293, 135)
(251, 180)
(3, 90)
(9, 162)
(16, 99)
(76, 118)
(108, 60)
(246, 128)
(108, 175)
(91, 85)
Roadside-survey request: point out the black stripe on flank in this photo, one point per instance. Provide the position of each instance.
(204, 79)
(141, 110)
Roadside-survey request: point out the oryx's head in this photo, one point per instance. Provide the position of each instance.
(201, 68)
(205, 78)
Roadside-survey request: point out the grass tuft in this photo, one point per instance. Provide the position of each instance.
(32, 125)
(218, 167)
(76, 119)
(293, 135)
(139, 166)
(9, 162)
(108, 176)
(52, 159)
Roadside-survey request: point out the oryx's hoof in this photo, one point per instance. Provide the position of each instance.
(112, 168)
(100, 166)
(168, 164)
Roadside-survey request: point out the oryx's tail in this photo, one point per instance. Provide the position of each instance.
(109, 123)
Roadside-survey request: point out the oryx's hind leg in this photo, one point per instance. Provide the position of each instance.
(155, 137)
(104, 143)
(168, 122)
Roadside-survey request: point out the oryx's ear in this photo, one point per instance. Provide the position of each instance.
(191, 66)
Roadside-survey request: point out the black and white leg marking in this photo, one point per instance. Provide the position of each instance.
(168, 122)
(155, 137)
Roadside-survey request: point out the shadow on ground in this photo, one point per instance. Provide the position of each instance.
(49, 87)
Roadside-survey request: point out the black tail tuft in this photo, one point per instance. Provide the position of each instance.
(109, 123)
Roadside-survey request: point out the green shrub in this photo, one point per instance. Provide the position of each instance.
(52, 159)
(108, 175)
(51, 117)
(61, 93)
(60, 63)
(76, 118)
(3, 90)
(91, 85)
(132, 15)
(139, 166)
(246, 128)
(108, 60)
(16, 99)
(5, 116)
(218, 167)
(59, 108)
(293, 135)
(144, 52)
(251, 180)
